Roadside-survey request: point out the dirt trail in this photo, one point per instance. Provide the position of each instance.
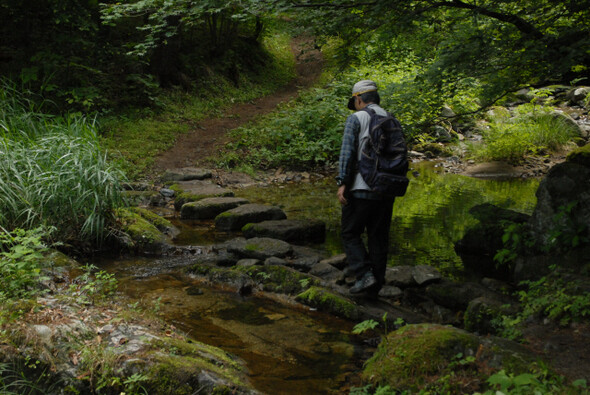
(193, 148)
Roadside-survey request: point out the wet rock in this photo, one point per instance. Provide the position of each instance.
(249, 262)
(439, 314)
(236, 218)
(144, 198)
(259, 248)
(326, 271)
(303, 264)
(481, 312)
(458, 295)
(481, 242)
(186, 174)
(167, 193)
(274, 261)
(209, 208)
(566, 185)
(328, 301)
(338, 261)
(424, 274)
(390, 292)
(400, 276)
(192, 191)
(291, 230)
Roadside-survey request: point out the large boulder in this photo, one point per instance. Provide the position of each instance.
(563, 203)
(236, 218)
(291, 230)
(426, 356)
(482, 241)
(209, 208)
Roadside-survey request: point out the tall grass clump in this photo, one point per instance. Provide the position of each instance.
(54, 173)
(513, 138)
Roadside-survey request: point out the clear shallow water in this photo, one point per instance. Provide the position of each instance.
(294, 351)
(287, 350)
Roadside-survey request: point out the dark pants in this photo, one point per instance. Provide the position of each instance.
(374, 216)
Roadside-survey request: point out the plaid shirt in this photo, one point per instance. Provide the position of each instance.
(348, 151)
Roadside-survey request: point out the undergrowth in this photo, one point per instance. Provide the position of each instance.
(532, 130)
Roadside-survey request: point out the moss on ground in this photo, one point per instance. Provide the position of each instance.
(325, 300)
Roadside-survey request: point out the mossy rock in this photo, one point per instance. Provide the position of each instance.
(430, 356)
(278, 279)
(328, 301)
(161, 223)
(142, 233)
(193, 365)
(197, 193)
(581, 156)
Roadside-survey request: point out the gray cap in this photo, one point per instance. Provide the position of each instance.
(363, 86)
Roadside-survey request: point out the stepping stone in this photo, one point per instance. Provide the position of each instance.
(259, 248)
(236, 218)
(400, 276)
(291, 230)
(424, 274)
(192, 191)
(338, 261)
(209, 208)
(326, 272)
(186, 174)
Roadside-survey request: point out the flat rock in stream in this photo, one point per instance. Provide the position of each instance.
(291, 230)
(326, 272)
(209, 208)
(186, 174)
(192, 191)
(259, 248)
(236, 218)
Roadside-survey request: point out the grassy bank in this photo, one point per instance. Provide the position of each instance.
(54, 173)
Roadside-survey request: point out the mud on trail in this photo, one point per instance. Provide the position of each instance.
(193, 148)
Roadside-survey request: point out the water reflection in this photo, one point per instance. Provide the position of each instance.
(287, 349)
(426, 222)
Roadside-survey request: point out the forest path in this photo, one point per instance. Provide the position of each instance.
(193, 148)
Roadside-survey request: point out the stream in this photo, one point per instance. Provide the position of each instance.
(290, 349)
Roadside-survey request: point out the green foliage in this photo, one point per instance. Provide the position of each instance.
(306, 133)
(527, 133)
(53, 172)
(364, 326)
(21, 261)
(538, 382)
(93, 286)
(516, 240)
(503, 46)
(566, 233)
(557, 296)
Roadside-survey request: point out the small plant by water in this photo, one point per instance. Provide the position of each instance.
(54, 173)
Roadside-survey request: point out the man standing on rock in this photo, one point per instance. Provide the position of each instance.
(362, 209)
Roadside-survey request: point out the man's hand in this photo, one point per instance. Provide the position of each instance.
(341, 192)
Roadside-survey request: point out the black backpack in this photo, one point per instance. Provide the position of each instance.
(383, 162)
